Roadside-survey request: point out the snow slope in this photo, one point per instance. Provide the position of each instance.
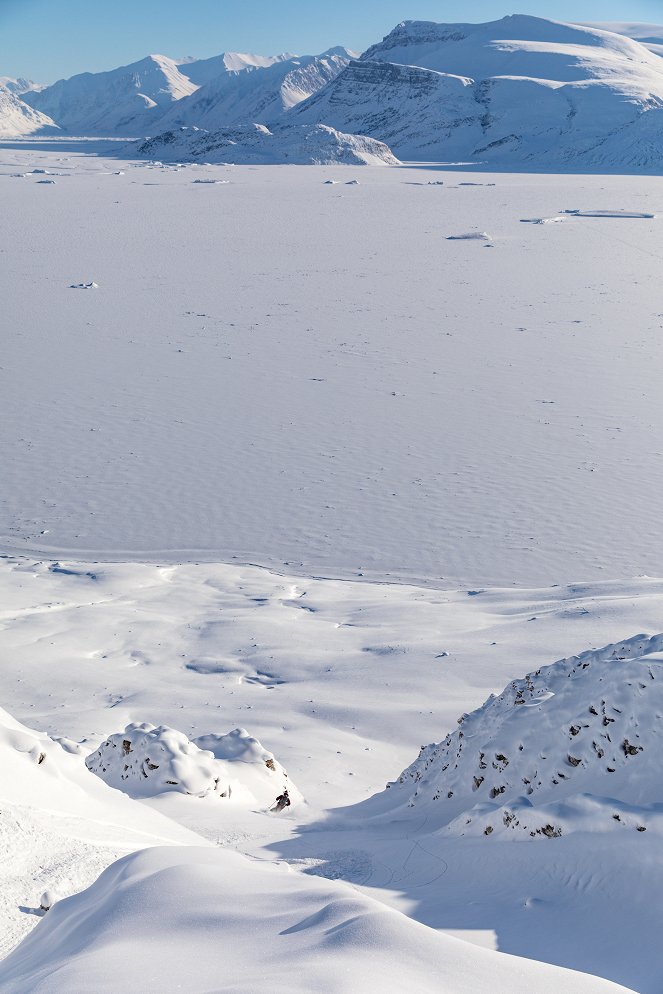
(60, 826)
(213, 920)
(299, 145)
(260, 95)
(124, 101)
(17, 118)
(649, 35)
(519, 90)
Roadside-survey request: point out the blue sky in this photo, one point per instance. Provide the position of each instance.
(48, 39)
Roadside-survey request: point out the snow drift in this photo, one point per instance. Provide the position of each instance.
(145, 760)
(198, 920)
(256, 144)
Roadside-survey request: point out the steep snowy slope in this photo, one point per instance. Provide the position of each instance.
(198, 920)
(518, 90)
(17, 118)
(201, 71)
(124, 101)
(262, 95)
(255, 144)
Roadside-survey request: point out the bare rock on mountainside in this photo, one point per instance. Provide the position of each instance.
(573, 746)
(145, 760)
(256, 144)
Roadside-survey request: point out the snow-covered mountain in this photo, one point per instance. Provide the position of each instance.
(314, 144)
(261, 95)
(574, 745)
(17, 118)
(519, 90)
(201, 71)
(126, 100)
(19, 86)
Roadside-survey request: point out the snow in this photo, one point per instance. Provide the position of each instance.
(201, 71)
(145, 761)
(325, 469)
(649, 35)
(125, 100)
(17, 118)
(310, 472)
(343, 681)
(251, 924)
(514, 91)
(246, 97)
(301, 145)
(587, 724)
(59, 825)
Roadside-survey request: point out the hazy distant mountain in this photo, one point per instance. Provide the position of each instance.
(125, 100)
(519, 90)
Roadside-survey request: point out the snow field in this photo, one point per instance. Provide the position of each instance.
(421, 415)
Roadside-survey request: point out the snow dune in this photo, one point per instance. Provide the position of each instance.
(202, 920)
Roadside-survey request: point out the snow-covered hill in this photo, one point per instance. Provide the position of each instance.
(262, 95)
(17, 118)
(198, 920)
(518, 90)
(144, 761)
(127, 100)
(573, 745)
(256, 144)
